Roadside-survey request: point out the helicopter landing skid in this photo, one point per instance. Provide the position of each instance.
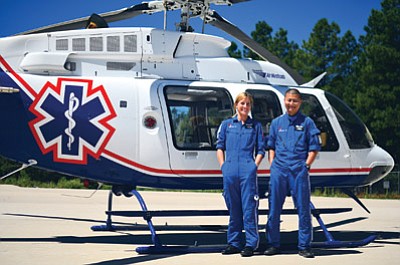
(158, 248)
(330, 241)
(110, 227)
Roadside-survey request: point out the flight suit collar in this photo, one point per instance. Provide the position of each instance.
(293, 118)
(248, 121)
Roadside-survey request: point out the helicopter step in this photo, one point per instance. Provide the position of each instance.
(159, 248)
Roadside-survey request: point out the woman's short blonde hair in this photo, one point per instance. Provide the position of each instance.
(241, 96)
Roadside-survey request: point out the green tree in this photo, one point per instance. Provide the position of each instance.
(278, 44)
(318, 53)
(281, 47)
(341, 72)
(326, 51)
(233, 51)
(263, 35)
(378, 77)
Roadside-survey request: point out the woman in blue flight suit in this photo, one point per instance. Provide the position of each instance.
(293, 144)
(240, 138)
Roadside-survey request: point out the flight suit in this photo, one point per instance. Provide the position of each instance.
(292, 138)
(241, 143)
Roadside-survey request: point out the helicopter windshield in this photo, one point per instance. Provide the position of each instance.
(355, 131)
(312, 108)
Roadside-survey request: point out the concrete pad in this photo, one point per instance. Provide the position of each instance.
(52, 226)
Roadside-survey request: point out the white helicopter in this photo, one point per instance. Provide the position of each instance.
(141, 107)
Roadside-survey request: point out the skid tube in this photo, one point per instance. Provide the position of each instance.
(330, 241)
(159, 248)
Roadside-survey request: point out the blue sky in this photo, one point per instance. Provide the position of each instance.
(297, 16)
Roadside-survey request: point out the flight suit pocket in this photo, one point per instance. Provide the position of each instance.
(232, 138)
(227, 170)
(248, 139)
(249, 166)
(301, 143)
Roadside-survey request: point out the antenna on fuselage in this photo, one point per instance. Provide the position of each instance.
(99, 185)
(31, 162)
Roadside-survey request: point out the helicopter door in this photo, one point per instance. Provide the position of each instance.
(194, 116)
(356, 133)
(333, 158)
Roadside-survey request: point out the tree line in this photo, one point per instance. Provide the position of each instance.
(365, 73)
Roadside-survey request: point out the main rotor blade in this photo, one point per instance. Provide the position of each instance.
(216, 20)
(111, 16)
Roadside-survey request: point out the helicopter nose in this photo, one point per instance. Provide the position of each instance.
(382, 165)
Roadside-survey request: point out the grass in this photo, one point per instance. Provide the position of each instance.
(23, 179)
(361, 194)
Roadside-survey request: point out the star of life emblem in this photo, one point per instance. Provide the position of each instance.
(72, 120)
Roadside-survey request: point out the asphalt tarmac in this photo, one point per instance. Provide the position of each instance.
(52, 226)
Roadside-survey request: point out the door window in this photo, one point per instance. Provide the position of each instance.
(265, 108)
(312, 108)
(195, 115)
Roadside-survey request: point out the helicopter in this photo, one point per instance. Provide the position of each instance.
(140, 107)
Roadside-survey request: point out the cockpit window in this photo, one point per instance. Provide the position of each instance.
(312, 108)
(356, 133)
(195, 115)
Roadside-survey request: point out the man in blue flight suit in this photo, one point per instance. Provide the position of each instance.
(240, 139)
(293, 145)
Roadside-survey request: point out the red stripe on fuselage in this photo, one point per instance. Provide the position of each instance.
(16, 76)
(218, 172)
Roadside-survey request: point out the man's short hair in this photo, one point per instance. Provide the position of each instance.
(293, 91)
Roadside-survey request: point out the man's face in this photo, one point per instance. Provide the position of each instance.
(292, 103)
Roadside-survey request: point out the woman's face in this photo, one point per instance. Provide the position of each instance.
(243, 107)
